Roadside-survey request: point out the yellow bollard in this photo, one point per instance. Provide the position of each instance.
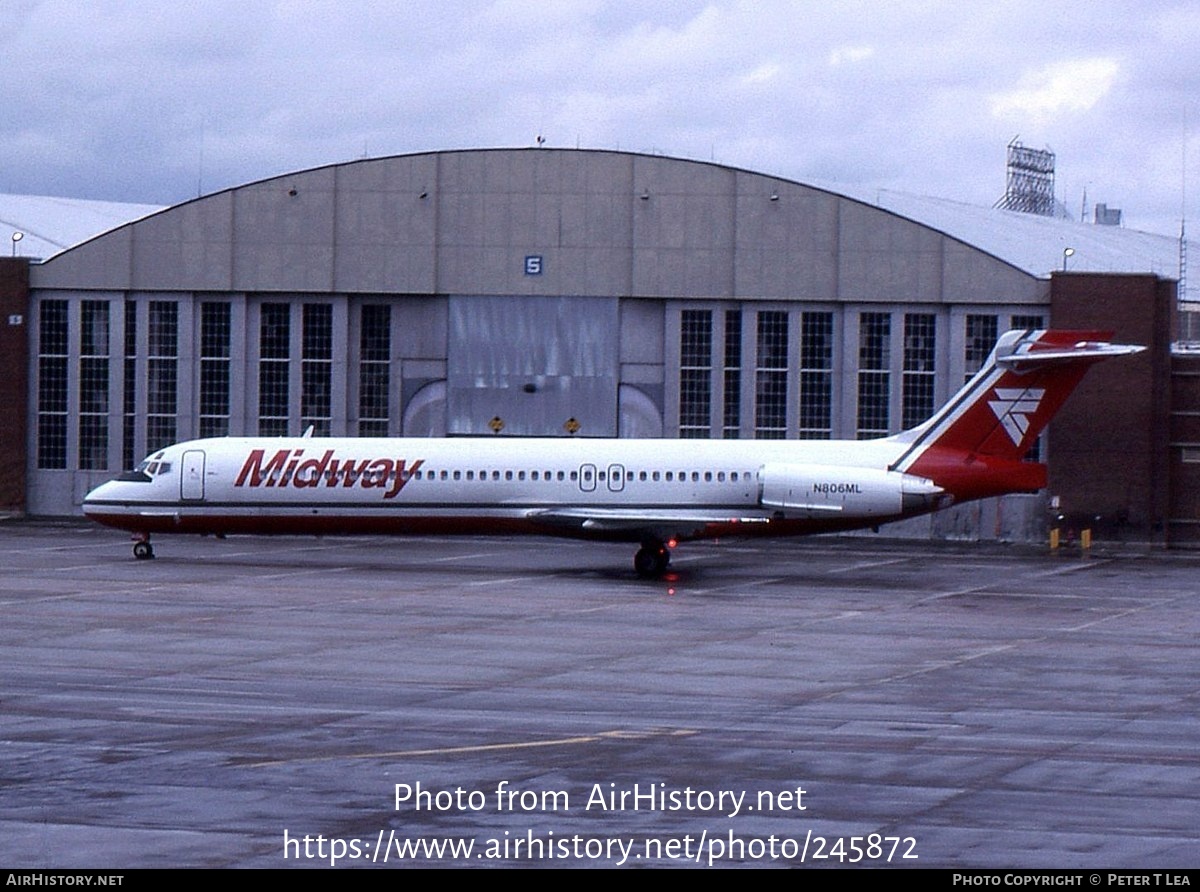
(1085, 540)
(1054, 539)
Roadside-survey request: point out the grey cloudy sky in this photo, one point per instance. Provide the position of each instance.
(146, 101)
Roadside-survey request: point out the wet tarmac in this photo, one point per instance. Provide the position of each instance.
(257, 702)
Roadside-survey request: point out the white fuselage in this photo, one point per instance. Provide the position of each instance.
(626, 489)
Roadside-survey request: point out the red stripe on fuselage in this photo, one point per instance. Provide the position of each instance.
(390, 523)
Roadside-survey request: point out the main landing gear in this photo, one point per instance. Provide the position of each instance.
(142, 549)
(651, 559)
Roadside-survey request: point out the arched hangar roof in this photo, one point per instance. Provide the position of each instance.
(599, 222)
(48, 224)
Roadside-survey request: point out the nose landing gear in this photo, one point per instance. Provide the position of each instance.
(142, 549)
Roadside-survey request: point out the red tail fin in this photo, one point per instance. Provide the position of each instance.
(976, 442)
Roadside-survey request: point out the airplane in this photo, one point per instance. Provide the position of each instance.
(656, 493)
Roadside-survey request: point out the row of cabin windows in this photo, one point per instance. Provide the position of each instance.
(378, 477)
(546, 476)
(601, 475)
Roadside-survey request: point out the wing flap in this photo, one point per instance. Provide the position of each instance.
(663, 523)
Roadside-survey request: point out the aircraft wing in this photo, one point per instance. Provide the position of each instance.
(634, 524)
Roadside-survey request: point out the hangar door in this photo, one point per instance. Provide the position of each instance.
(532, 366)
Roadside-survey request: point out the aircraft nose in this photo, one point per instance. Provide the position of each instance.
(102, 491)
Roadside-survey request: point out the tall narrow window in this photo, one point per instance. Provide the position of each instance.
(981, 338)
(374, 370)
(93, 385)
(920, 357)
(816, 376)
(274, 355)
(129, 413)
(874, 376)
(53, 347)
(316, 369)
(215, 332)
(695, 373)
(770, 382)
(162, 374)
(732, 418)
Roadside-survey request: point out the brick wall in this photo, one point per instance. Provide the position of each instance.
(1109, 447)
(14, 381)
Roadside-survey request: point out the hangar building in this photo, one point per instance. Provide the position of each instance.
(517, 292)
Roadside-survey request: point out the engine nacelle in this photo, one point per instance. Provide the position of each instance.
(841, 491)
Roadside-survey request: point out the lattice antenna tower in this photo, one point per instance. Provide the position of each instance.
(1183, 284)
(1030, 184)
